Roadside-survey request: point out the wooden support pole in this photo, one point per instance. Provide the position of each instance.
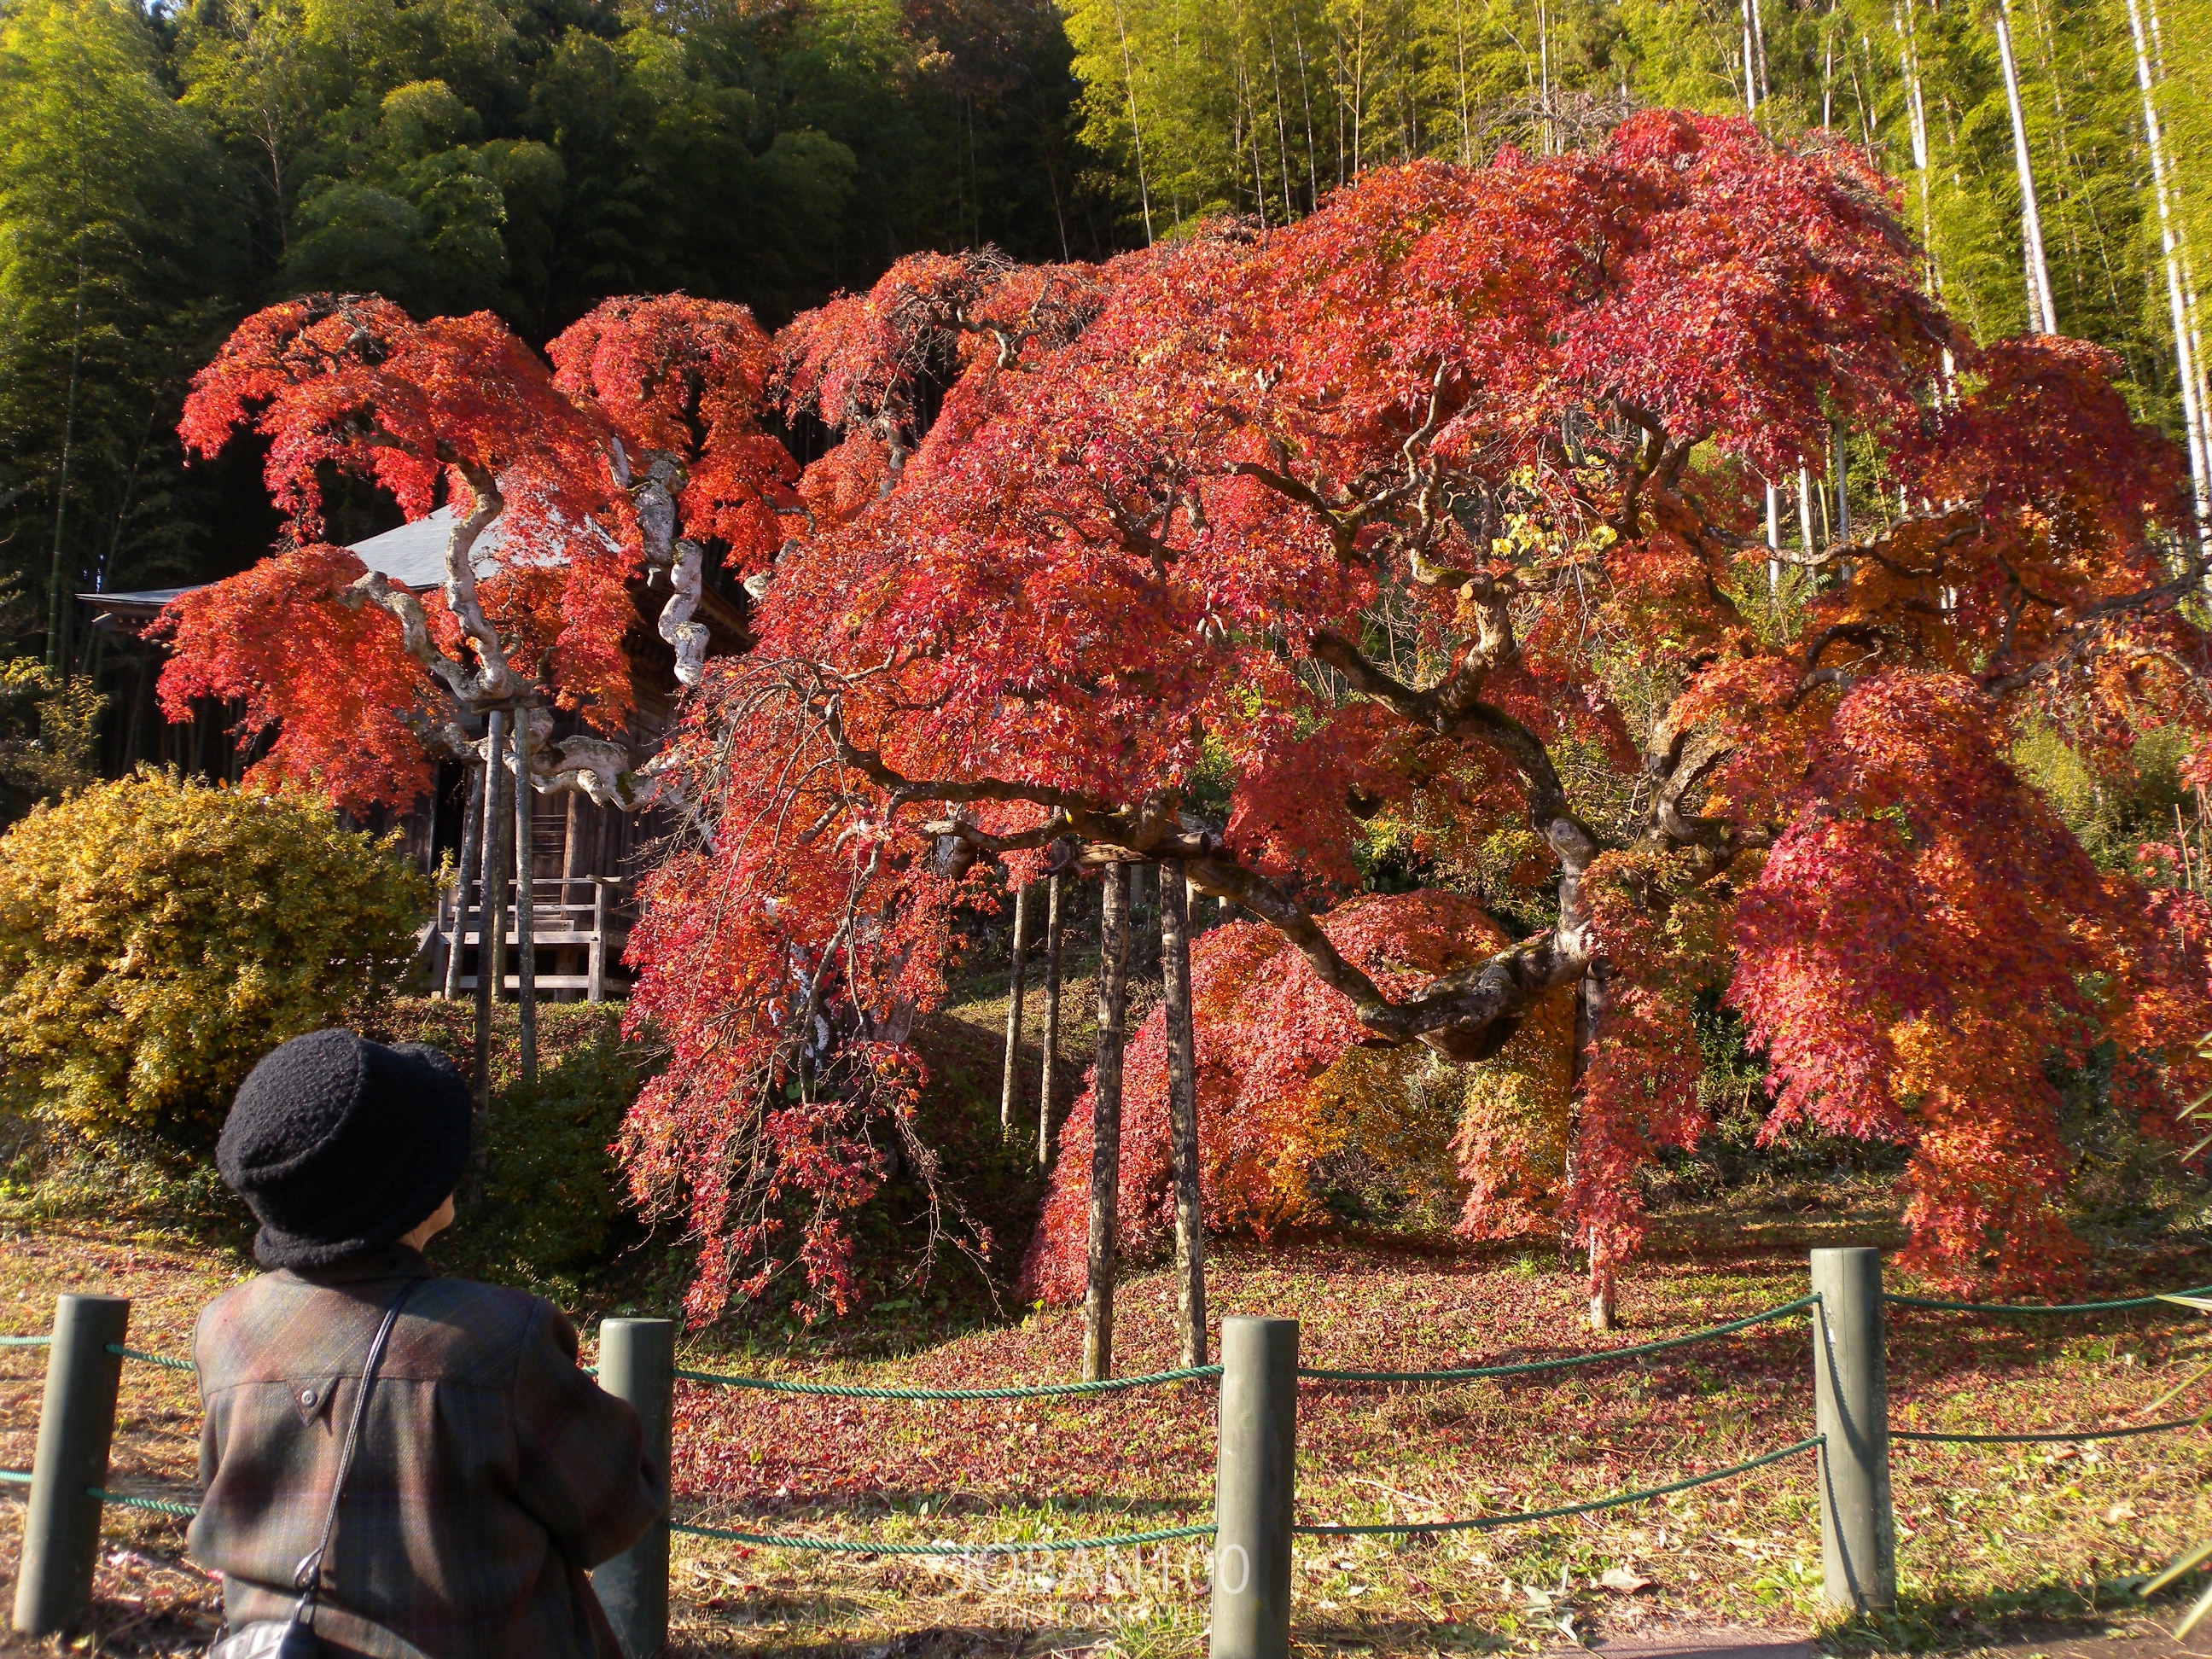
(1010, 1082)
(1106, 1124)
(76, 1422)
(1183, 1111)
(596, 991)
(1253, 1490)
(491, 932)
(526, 901)
(1048, 1069)
(637, 1364)
(1858, 1530)
(469, 872)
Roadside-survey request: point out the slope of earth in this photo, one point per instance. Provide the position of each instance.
(1996, 1541)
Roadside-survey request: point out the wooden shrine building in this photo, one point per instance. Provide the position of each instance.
(585, 857)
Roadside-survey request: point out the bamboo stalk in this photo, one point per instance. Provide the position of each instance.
(2193, 410)
(2042, 311)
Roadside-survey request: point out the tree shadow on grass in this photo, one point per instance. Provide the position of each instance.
(2049, 1617)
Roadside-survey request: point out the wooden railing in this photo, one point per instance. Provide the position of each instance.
(566, 913)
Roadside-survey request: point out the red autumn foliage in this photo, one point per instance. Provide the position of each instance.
(1434, 522)
(1267, 1027)
(1429, 526)
(455, 410)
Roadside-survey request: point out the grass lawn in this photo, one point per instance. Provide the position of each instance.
(1992, 1539)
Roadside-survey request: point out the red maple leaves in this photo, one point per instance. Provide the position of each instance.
(456, 411)
(1430, 528)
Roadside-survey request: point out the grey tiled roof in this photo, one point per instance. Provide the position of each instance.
(414, 555)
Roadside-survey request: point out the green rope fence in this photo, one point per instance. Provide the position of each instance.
(14, 1477)
(26, 1341)
(862, 1547)
(2029, 1309)
(1525, 1368)
(158, 1505)
(160, 1360)
(1480, 1523)
(1026, 1391)
(1523, 1517)
(2061, 1434)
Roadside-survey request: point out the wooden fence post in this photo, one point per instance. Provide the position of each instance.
(76, 1422)
(526, 901)
(596, 991)
(637, 1363)
(1010, 1083)
(1858, 1534)
(1253, 1489)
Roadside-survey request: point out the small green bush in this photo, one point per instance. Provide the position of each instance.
(551, 1205)
(158, 936)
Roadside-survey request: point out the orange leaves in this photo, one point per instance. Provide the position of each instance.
(1516, 1126)
(459, 404)
(265, 636)
(688, 379)
(1449, 503)
(1271, 1095)
(1917, 952)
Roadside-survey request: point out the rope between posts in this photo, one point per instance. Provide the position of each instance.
(152, 1359)
(1488, 1523)
(16, 1477)
(25, 1341)
(159, 1505)
(854, 1391)
(861, 1546)
(1603, 1354)
(2062, 1434)
(2021, 1310)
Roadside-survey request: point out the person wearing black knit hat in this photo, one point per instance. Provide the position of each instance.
(338, 1145)
(490, 1471)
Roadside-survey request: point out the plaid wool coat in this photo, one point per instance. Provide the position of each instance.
(491, 1471)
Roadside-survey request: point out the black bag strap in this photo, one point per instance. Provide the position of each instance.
(307, 1578)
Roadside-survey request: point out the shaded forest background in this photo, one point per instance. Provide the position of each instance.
(164, 172)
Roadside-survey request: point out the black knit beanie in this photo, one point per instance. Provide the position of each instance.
(338, 1145)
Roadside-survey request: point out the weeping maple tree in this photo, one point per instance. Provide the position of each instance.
(1444, 524)
(639, 451)
(641, 448)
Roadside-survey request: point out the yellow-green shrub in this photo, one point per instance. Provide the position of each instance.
(49, 728)
(158, 936)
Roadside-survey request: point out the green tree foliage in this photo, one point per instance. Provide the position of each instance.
(165, 171)
(1256, 107)
(158, 936)
(49, 725)
(113, 206)
(551, 1202)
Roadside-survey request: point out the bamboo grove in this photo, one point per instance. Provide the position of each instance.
(2046, 150)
